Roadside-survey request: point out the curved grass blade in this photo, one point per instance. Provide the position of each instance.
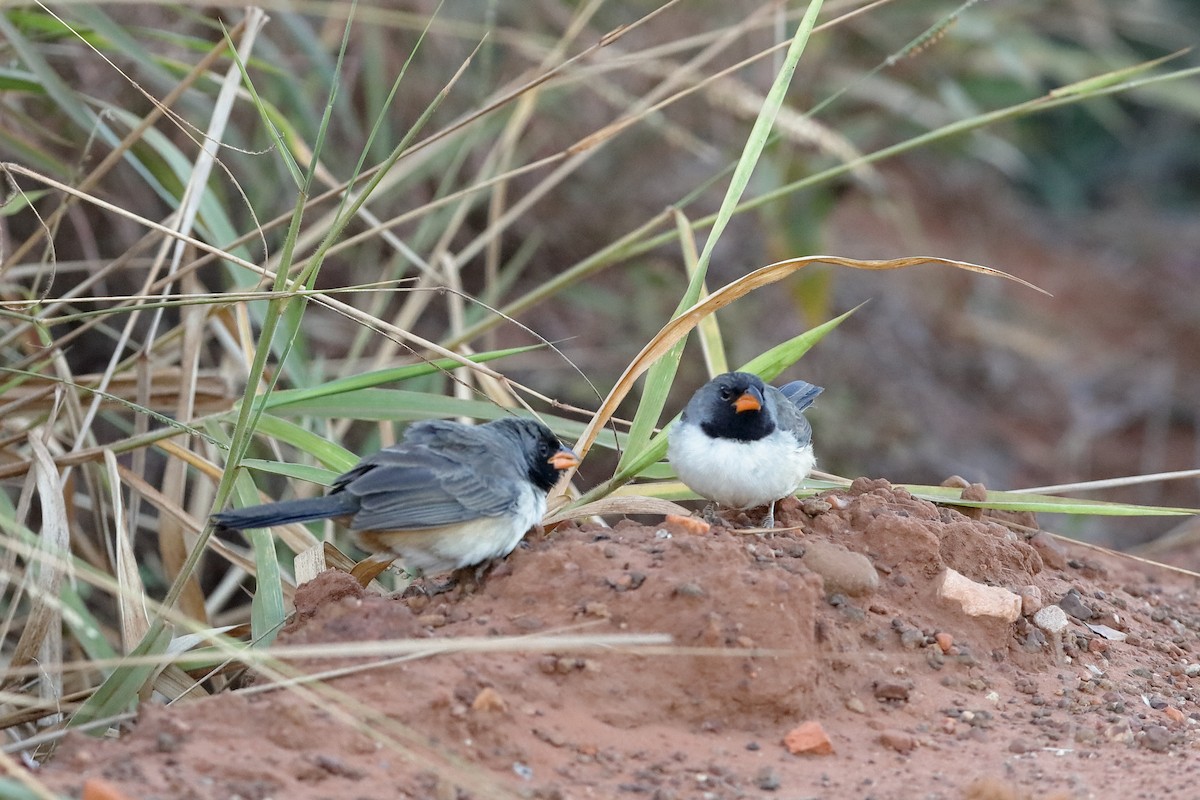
(679, 327)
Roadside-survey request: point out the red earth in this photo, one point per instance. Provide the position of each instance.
(835, 627)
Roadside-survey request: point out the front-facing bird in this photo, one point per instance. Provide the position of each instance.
(743, 444)
(447, 496)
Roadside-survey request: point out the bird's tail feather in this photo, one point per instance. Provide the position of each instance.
(268, 515)
(801, 394)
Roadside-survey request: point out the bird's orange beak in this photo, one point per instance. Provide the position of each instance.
(564, 459)
(749, 401)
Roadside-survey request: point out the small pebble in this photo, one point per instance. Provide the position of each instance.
(1020, 746)
(766, 779)
(1052, 619)
(1156, 738)
(1073, 604)
(843, 571)
(808, 738)
(1052, 553)
(1031, 600)
(899, 741)
(892, 690)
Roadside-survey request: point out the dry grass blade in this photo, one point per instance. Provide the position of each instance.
(626, 504)
(681, 325)
(135, 620)
(41, 640)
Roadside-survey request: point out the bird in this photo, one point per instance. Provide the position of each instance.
(744, 444)
(446, 497)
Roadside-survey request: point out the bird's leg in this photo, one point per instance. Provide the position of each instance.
(710, 515)
(769, 521)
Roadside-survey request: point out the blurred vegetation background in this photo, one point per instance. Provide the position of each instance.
(528, 156)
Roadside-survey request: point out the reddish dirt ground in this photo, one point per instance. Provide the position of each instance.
(918, 699)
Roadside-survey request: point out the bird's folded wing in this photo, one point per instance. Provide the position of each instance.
(424, 489)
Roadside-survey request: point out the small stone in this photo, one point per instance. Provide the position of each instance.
(689, 589)
(1052, 553)
(1156, 738)
(1073, 604)
(692, 525)
(975, 493)
(552, 738)
(911, 638)
(853, 703)
(98, 788)
(944, 640)
(1192, 670)
(1175, 715)
(892, 690)
(979, 600)
(899, 741)
(1021, 746)
(597, 609)
(1031, 600)
(1051, 619)
(844, 572)
(432, 620)
(489, 700)
(815, 506)
(766, 779)
(808, 738)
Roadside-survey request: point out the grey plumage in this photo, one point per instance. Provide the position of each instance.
(444, 479)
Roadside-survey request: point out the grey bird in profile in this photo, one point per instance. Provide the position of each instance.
(447, 496)
(743, 444)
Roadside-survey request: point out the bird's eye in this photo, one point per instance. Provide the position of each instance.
(726, 393)
(544, 448)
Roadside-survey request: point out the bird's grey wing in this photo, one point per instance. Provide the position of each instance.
(788, 415)
(442, 435)
(416, 487)
(800, 394)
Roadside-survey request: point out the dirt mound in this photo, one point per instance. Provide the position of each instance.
(839, 622)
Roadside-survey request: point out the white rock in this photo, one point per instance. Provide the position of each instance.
(979, 600)
(1051, 619)
(1112, 634)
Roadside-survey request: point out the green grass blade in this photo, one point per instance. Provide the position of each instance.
(268, 609)
(770, 364)
(661, 375)
(331, 454)
(372, 379)
(120, 690)
(1042, 503)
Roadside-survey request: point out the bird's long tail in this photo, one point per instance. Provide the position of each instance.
(801, 393)
(268, 515)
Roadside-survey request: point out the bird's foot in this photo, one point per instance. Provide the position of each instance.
(709, 515)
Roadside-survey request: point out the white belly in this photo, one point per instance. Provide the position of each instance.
(739, 474)
(428, 551)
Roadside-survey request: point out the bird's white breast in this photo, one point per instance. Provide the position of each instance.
(432, 550)
(736, 473)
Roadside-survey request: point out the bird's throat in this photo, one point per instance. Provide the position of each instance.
(749, 426)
